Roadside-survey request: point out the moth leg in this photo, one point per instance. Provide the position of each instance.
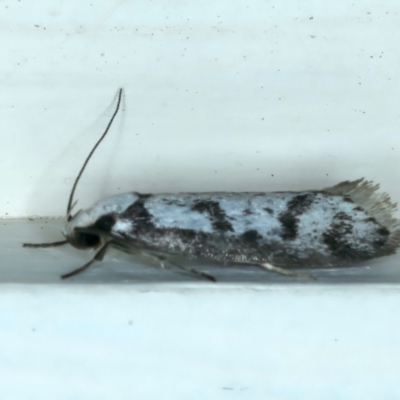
(53, 244)
(98, 257)
(163, 261)
(195, 271)
(286, 272)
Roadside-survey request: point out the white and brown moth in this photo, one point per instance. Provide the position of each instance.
(279, 231)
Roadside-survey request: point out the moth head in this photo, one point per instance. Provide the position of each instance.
(83, 232)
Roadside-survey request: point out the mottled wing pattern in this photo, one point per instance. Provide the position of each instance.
(290, 229)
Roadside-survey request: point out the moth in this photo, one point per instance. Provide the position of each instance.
(279, 231)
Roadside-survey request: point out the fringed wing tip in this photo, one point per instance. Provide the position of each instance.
(378, 205)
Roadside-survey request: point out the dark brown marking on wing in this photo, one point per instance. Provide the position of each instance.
(141, 216)
(289, 218)
(335, 237)
(105, 222)
(348, 199)
(251, 237)
(144, 195)
(383, 235)
(218, 217)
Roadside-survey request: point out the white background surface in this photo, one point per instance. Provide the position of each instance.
(221, 95)
(255, 95)
(214, 343)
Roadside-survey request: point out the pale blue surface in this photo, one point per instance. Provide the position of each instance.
(220, 96)
(125, 330)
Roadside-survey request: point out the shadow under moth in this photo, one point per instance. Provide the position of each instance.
(279, 231)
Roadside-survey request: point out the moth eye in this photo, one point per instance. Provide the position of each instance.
(87, 239)
(105, 223)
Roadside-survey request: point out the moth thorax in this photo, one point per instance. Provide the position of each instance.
(83, 233)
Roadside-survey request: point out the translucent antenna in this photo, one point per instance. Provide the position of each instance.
(71, 196)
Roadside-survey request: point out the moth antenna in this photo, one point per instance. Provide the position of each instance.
(53, 244)
(73, 205)
(71, 196)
